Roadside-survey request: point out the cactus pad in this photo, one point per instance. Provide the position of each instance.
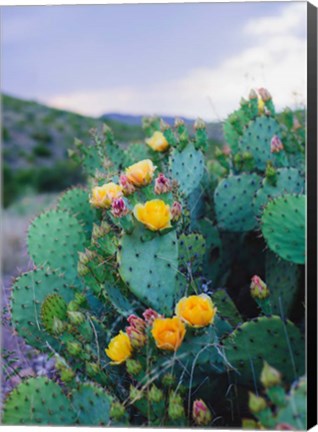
(53, 306)
(38, 401)
(55, 238)
(278, 342)
(294, 413)
(187, 167)
(257, 141)
(92, 405)
(76, 202)
(233, 202)
(28, 293)
(226, 307)
(191, 251)
(149, 268)
(289, 180)
(283, 227)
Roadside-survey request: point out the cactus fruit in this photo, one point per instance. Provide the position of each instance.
(38, 401)
(267, 338)
(187, 167)
(233, 202)
(148, 268)
(54, 239)
(283, 227)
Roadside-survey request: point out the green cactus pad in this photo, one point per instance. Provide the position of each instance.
(295, 411)
(93, 160)
(92, 405)
(276, 341)
(28, 293)
(113, 151)
(76, 202)
(233, 202)
(138, 151)
(226, 307)
(283, 279)
(149, 268)
(283, 227)
(38, 401)
(257, 141)
(233, 128)
(55, 238)
(191, 251)
(53, 306)
(118, 300)
(289, 180)
(187, 167)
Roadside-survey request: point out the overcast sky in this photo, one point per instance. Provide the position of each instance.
(182, 59)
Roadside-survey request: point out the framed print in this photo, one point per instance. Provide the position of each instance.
(159, 215)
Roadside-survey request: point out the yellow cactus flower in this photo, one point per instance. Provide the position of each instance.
(196, 310)
(141, 173)
(168, 333)
(158, 142)
(154, 214)
(119, 348)
(103, 196)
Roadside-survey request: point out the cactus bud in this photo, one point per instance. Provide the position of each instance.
(57, 326)
(175, 408)
(178, 123)
(134, 393)
(80, 299)
(226, 150)
(256, 403)
(284, 426)
(137, 338)
(176, 211)
(259, 289)
(92, 369)
(168, 380)
(82, 269)
(264, 94)
(76, 317)
(155, 394)
(136, 322)
(276, 144)
(73, 306)
(243, 101)
(74, 348)
(271, 174)
(200, 413)
(296, 124)
(150, 315)
(252, 94)
(133, 367)
(119, 208)
(117, 411)
(270, 376)
(60, 363)
(164, 125)
(199, 124)
(162, 184)
(67, 375)
(78, 143)
(128, 187)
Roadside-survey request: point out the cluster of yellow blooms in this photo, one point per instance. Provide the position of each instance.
(168, 333)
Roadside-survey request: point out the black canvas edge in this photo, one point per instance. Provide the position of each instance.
(311, 273)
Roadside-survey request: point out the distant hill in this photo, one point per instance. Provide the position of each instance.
(137, 119)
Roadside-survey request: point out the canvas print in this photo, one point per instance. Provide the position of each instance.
(154, 203)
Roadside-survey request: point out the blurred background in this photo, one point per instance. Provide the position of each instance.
(67, 69)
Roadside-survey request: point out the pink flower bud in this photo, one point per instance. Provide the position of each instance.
(200, 412)
(284, 426)
(176, 211)
(226, 150)
(150, 315)
(119, 208)
(296, 123)
(259, 289)
(264, 94)
(128, 188)
(136, 322)
(137, 338)
(276, 144)
(162, 184)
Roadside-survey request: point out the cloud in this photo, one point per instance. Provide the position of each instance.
(276, 59)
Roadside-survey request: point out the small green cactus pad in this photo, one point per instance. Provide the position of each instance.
(233, 202)
(257, 141)
(191, 251)
(149, 268)
(38, 401)
(294, 413)
(28, 293)
(278, 342)
(53, 306)
(118, 300)
(283, 279)
(233, 128)
(91, 404)
(187, 167)
(283, 227)
(138, 152)
(289, 180)
(55, 238)
(226, 307)
(76, 202)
